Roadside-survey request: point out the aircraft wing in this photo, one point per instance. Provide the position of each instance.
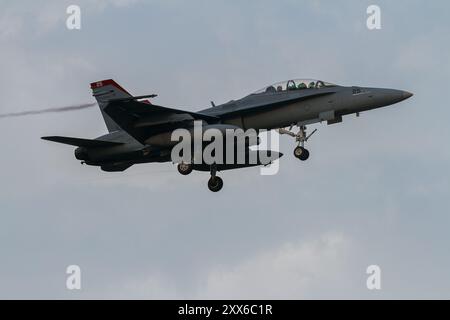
(141, 119)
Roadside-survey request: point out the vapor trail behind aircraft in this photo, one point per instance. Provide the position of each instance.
(49, 110)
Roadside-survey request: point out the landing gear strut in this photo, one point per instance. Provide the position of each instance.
(300, 152)
(215, 183)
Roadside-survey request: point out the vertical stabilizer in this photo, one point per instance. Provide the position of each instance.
(104, 91)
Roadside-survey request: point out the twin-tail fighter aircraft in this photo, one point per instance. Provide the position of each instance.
(140, 132)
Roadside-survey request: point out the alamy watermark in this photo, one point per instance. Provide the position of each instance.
(226, 145)
(373, 281)
(374, 19)
(73, 281)
(73, 21)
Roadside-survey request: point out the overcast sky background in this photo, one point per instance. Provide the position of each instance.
(375, 190)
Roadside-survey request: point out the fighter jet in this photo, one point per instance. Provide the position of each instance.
(140, 131)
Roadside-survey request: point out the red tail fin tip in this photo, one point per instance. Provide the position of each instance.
(102, 83)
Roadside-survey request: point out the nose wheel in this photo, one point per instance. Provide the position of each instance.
(300, 152)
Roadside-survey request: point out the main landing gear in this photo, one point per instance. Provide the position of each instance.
(215, 183)
(300, 152)
(185, 168)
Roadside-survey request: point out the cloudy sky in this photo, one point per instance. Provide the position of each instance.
(375, 190)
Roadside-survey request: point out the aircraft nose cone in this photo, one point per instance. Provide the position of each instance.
(406, 95)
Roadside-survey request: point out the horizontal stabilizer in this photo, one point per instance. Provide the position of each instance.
(134, 98)
(78, 142)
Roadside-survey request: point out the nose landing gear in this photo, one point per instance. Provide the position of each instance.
(300, 152)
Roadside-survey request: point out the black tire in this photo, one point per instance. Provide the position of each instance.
(305, 155)
(215, 184)
(185, 168)
(301, 153)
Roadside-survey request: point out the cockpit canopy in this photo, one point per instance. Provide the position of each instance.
(296, 84)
